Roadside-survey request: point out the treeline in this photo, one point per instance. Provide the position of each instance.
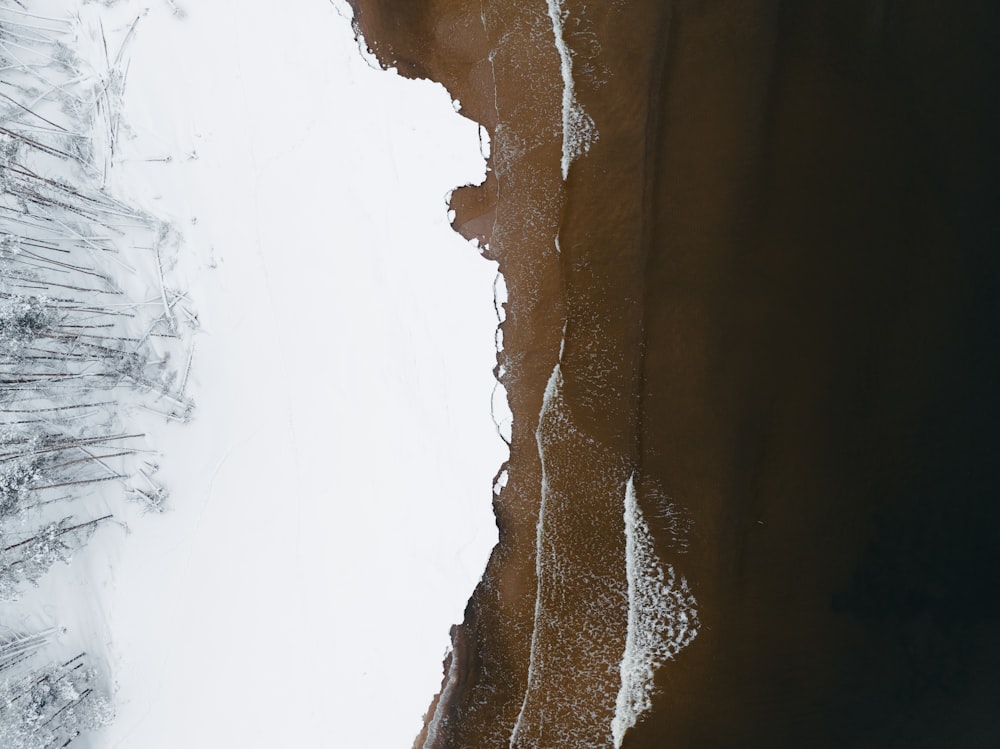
(91, 333)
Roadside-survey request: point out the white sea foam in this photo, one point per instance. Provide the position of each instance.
(662, 618)
(578, 129)
(548, 403)
(447, 691)
(581, 604)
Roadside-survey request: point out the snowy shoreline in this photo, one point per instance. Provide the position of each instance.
(297, 490)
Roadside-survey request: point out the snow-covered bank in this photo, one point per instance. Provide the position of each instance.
(328, 517)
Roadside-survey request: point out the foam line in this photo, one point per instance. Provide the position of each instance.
(662, 618)
(434, 726)
(578, 129)
(551, 392)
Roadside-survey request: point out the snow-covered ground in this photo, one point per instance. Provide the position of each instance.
(329, 511)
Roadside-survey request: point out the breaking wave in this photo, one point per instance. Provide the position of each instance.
(581, 605)
(662, 618)
(578, 129)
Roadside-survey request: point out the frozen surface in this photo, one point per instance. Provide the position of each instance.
(329, 511)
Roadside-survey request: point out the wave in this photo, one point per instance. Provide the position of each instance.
(662, 618)
(548, 403)
(578, 128)
(581, 599)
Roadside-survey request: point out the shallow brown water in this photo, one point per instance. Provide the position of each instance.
(774, 302)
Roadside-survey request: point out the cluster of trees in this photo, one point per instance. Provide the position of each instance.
(88, 326)
(90, 332)
(47, 707)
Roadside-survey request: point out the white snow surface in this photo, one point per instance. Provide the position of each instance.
(329, 512)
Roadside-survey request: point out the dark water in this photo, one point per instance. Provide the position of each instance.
(774, 301)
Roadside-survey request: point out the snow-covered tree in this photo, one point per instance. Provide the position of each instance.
(25, 561)
(18, 647)
(52, 706)
(17, 479)
(23, 318)
(20, 468)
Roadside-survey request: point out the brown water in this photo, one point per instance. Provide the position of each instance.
(768, 292)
